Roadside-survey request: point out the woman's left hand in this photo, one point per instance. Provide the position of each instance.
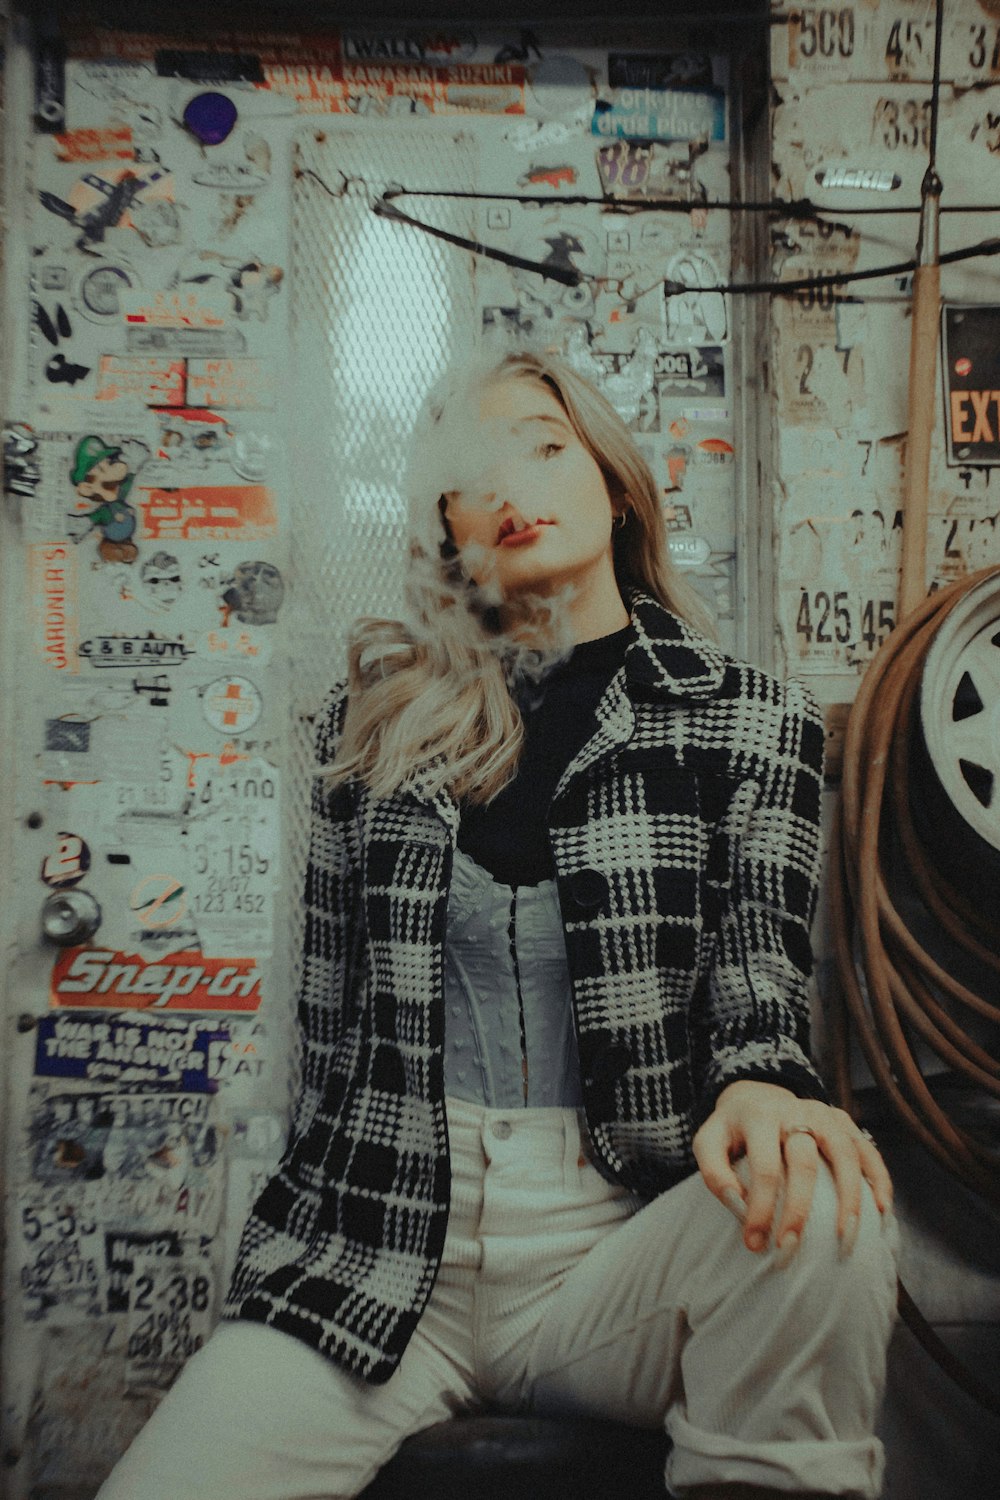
(782, 1139)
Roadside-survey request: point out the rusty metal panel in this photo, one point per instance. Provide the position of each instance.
(883, 40)
(841, 353)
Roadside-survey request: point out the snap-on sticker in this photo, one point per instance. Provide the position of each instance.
(187, 980)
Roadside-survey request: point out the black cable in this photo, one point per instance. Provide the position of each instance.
(783, 208)
(569, 276)
(936, 85)
(564, 274)
(899, 268)
(931, 187)
(800, 209)
(803, 209)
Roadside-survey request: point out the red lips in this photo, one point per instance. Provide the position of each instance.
(510, 529)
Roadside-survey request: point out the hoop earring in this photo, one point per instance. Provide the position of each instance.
(620, 520)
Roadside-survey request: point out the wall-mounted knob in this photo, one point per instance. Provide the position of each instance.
(70, 917)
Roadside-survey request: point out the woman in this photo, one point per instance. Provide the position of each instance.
(563, 865)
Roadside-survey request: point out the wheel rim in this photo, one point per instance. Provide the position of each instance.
(960, 709)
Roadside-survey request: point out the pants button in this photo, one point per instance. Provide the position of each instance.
(502, 1129)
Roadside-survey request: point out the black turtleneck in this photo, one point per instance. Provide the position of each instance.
(509, 836)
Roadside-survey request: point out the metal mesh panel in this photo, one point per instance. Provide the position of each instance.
(377, 309)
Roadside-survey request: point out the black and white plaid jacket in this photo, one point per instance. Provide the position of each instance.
(685, 834)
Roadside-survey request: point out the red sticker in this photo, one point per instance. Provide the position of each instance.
(179, 981)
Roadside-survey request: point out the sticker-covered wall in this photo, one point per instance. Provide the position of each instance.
(851, 138)
(854, 106)
(241, 261)
(851, 133)
(235, 263)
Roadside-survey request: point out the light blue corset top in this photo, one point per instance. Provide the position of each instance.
(509, 1035)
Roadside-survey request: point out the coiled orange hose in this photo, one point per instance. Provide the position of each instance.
(900, 976)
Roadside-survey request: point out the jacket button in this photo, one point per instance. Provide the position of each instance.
(588, 888)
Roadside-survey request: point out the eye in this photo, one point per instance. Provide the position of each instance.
(549, 450)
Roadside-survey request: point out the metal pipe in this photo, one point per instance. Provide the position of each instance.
(926, 312)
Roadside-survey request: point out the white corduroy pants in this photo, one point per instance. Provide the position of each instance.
(560, 1293)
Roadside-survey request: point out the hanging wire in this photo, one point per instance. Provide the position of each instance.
(570, 276)
(799, 209)
(936, 85)
(931, 186)
(794, 208)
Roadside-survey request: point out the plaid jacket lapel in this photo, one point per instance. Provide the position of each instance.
(665, 659)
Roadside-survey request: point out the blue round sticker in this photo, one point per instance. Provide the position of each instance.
(210, 117)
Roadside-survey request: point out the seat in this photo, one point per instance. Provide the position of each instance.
(506, 1457)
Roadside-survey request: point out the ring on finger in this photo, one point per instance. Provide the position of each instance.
(801, 1130)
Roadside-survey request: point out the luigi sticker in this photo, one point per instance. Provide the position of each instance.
(102, 478)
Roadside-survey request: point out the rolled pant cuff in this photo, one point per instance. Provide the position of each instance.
(826, 1466)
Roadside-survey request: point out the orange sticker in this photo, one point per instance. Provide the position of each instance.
(171, 310)
(90, 192)
(52, 579)
(95, 145)
(160, 900)
(154, 382)
(187, 980)
(208, 512)
(229, 383)
(392, 88)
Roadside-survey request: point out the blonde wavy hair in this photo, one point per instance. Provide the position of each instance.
(433, 691)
